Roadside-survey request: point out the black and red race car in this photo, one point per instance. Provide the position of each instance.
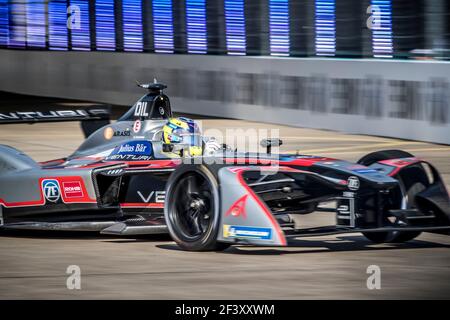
(125, 180)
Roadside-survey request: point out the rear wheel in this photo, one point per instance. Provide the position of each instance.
(192, 209)
(413, 185)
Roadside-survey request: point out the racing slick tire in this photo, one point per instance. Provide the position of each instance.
(413, 185)
(192, 208)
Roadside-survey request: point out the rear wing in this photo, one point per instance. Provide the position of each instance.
(91, 118)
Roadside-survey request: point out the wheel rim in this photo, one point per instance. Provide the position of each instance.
(192, 206)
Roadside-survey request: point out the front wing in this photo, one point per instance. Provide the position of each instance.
(247, 219)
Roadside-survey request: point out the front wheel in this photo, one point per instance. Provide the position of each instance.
(412, 185)
(398, 236)
(392, 236)
(192, 208)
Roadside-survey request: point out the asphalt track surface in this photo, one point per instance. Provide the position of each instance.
(33, 264)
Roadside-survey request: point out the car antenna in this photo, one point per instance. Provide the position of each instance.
(152, 86)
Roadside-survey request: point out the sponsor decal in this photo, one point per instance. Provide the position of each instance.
(353, 183)
(364, 171)
(137, 126)
(293, 157)
(72, 189)
(141, 109)
(135, 148)
(401, 162)
(108, 133)
(132, 151)
(51, 190)
(355, 166)
(345, 212)
(95, 113)
(156, 196)
(307, 157)
(161, 111)
(238, 208)
(122, 133)
(247, 232)
(128, 157)
(343, 209)
(361, 169)
(346, 207)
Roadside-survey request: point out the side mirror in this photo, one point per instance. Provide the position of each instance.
(268, 143)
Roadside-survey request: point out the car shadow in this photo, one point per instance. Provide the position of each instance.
(311, 246)
(296, 246)
(81, 235)
(140, 238)
(48, 234)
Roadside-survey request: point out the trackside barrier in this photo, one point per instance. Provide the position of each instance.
(403, 99)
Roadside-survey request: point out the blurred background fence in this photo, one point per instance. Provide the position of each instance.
(361, 66)
(302, 28)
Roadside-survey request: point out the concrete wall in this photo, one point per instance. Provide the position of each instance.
(404, 99)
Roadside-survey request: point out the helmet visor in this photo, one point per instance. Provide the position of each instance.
(192, 139)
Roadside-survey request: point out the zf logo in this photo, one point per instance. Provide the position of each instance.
(141, 109)
(51, 190)
(353, 183)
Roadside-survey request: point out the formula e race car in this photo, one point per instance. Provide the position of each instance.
(149, 173)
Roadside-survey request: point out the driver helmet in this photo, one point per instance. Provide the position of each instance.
(183, 134)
